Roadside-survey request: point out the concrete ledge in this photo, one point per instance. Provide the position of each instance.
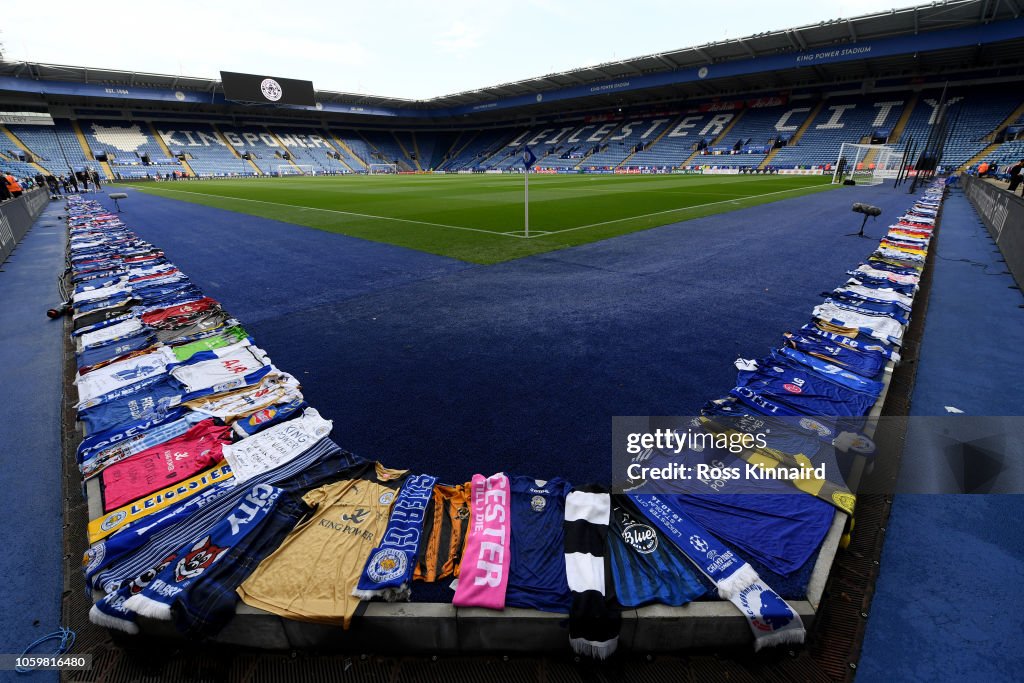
(512, 630)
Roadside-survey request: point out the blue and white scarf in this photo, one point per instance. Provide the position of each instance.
(772, 621)
(388, 572)
(192, 560)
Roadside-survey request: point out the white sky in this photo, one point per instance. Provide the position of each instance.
(397, 48)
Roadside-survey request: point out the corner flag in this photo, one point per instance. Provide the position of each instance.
(528, 161)
(528, 158)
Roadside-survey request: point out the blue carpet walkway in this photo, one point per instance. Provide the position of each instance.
(448, 368)
(436, 365)
(948, 604)
(30, 449)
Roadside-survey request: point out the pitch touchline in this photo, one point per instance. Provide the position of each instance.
(347, 213)
(658, 213)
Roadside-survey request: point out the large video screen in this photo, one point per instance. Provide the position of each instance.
(270, 89)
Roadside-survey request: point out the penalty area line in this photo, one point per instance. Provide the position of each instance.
(682, 208)
(338, 211)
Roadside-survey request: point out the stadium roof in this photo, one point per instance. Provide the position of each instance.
(911, 21)
(896, 22)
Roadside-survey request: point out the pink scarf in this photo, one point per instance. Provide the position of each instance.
(483, 575)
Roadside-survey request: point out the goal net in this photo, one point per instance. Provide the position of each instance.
(869, 164)
(295, 169)
(378, 169)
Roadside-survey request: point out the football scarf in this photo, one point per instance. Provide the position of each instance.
(98, 442)
(101, 555)
(483, 575)
(101, 527)
(772, 621)
(137, 443)
(388, 572)
(268, 417)
(193, 559)
(593, 623)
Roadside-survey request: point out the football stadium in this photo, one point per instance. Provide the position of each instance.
(696, 365)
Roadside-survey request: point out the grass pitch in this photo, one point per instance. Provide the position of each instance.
(479, 218)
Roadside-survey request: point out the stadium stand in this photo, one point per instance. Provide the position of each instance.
(679, 140)
(352, 149)
(56, 147)
(755, 133)
(838, 121)
(130, 150)
(799, 134)
(621, 143)
(973, 116)
(384, 148)
(206, 149)
(311, 148)
(473, 147)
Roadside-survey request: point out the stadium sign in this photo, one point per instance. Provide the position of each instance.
(30, 118)
(801, 171)
(267, 89)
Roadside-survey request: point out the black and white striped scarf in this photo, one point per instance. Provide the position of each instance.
(594, 620)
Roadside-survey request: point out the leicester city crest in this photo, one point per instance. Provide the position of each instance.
(271, 89)
(113, 520)
(387, 564)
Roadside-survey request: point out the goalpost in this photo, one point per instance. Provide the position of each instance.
(380, 169)
(295, 169)
(872, 164)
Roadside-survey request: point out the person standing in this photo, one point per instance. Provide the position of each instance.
(96, 179)
(1015, 175)
(13, 186)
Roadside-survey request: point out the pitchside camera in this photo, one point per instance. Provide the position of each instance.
(867, 210)
(116, 196)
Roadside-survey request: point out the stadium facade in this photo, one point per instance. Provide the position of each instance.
(780, 100)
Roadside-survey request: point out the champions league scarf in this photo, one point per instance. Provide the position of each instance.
(483, 574)
(772, 621)
(593, 625)
(192, 560)
(388, 572)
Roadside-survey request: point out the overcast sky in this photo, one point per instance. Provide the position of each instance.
(400, 48)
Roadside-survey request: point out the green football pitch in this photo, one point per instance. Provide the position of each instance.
(480, 218)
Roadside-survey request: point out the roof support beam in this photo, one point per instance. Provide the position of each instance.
(666, 62)
(853, 32)
(746, 47)
(704, 54)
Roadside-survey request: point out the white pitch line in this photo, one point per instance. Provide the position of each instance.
(347, 213)
(659, 213)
